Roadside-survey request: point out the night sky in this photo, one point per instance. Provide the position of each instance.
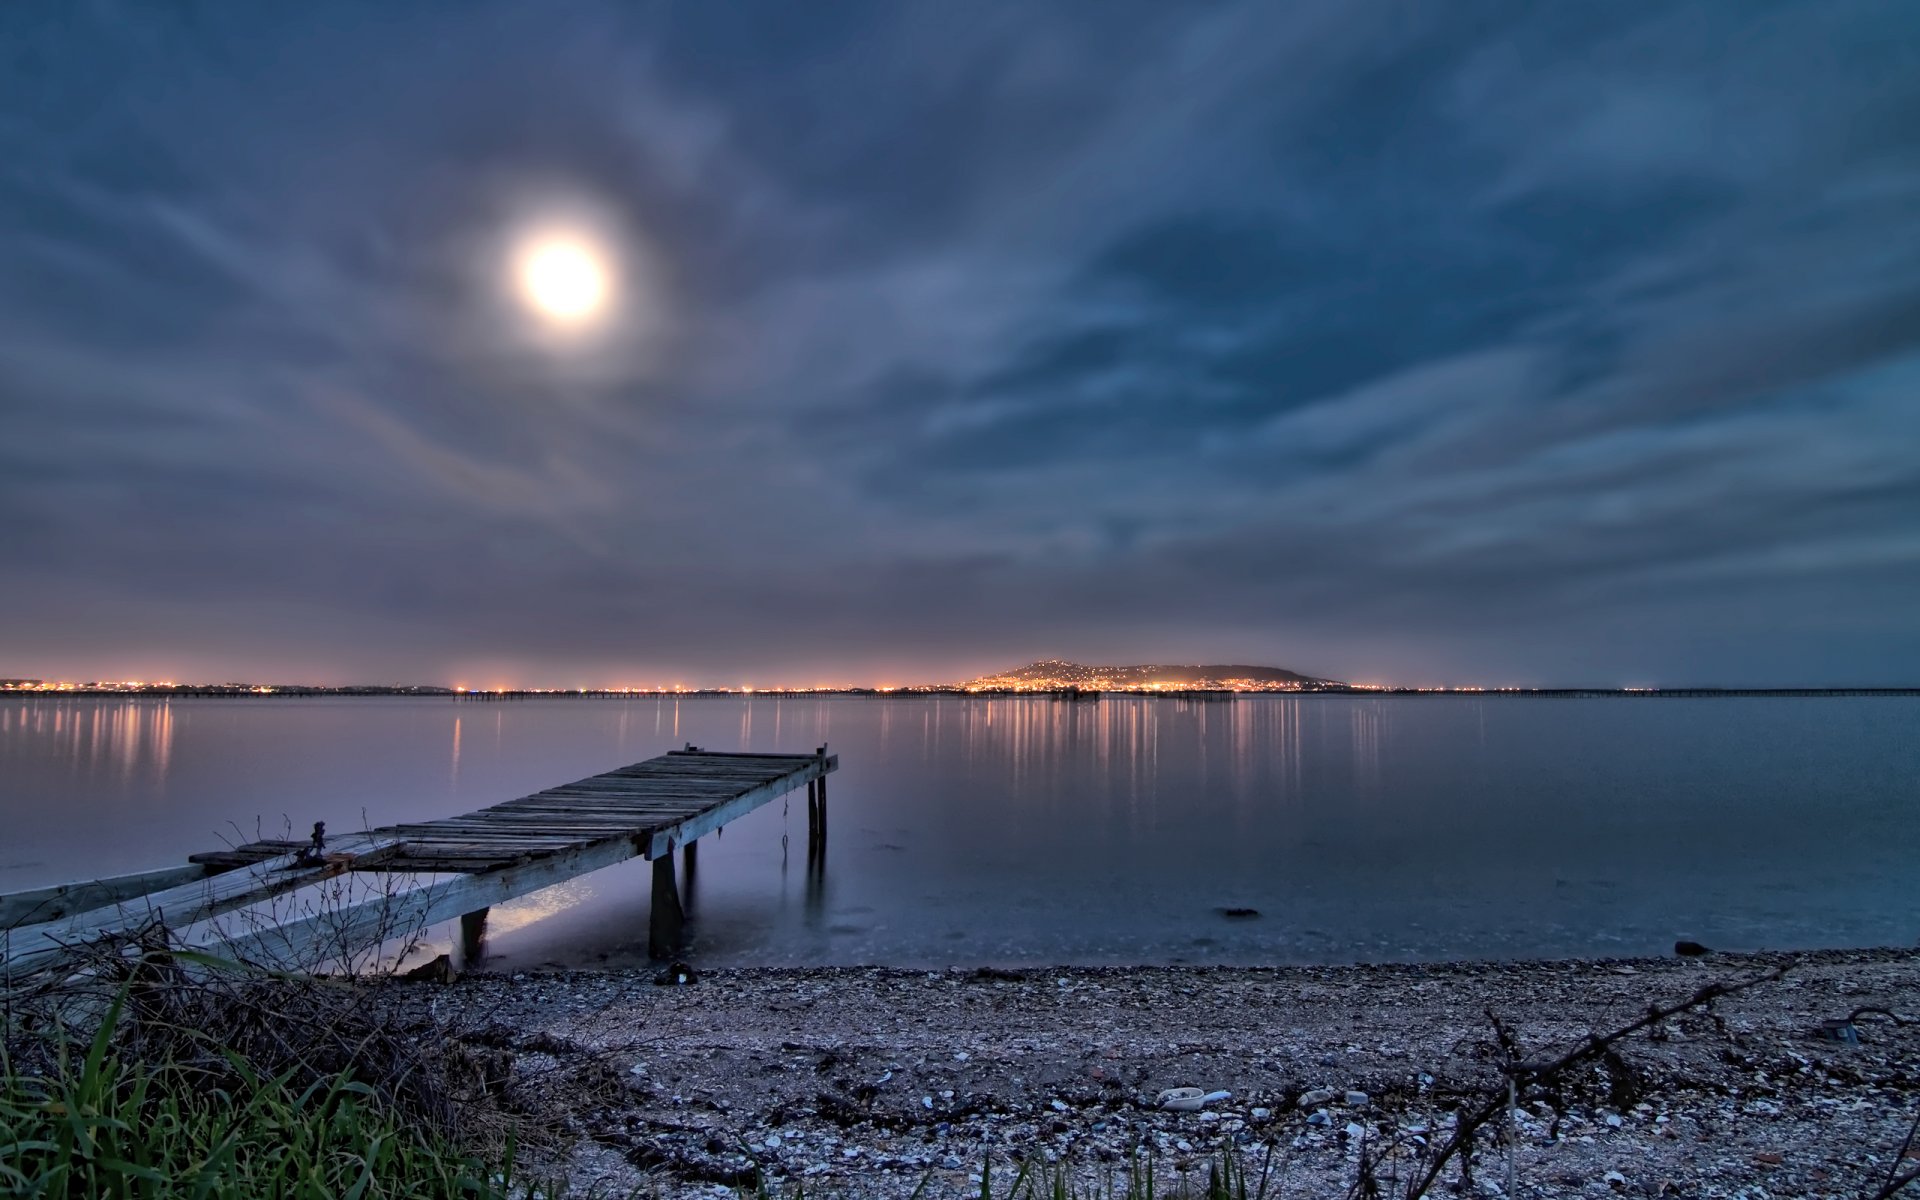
(1413, 342)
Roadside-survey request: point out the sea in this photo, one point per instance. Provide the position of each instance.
(974, 831)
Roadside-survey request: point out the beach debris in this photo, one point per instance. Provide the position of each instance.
(1316, 1097)
(1180, 1099)
(1689, 949)
(314, 852)
(677, 975)
(1838, 1030)
(1239, 913)
(1356, 1099)
(1188, 1099)
(1319, 1117)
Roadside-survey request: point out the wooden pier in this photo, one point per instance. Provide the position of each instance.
(473, 861)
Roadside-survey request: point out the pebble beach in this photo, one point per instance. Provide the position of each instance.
(884, 1082)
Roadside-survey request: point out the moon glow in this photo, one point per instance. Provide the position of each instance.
(567, 280)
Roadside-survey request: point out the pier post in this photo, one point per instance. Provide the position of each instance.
(689, 863)
(473, 931)
(813, 815)
(665, 918)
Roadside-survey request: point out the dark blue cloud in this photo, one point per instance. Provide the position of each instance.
(1473, 341)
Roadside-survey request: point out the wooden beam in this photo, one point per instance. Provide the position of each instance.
(41, 905)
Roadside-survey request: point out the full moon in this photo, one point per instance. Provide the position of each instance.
(565, 279)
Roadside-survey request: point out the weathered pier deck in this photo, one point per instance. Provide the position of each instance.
(469, 862)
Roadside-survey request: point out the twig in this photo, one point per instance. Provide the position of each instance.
(1596, 1044)
(1894, 1181)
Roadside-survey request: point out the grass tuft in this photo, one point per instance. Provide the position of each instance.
(88, 1121)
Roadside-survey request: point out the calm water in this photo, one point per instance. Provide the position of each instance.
(1002, 830)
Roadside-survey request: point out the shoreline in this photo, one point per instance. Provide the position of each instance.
(874, 1081)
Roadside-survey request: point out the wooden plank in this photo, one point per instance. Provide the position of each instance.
(616, 803)
(40, 905)
(538, 820)
(656, 787)
(559, 830)
(720, 755)
(264, 849)
(34, 946)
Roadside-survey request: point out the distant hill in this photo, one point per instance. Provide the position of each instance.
(1055, 672)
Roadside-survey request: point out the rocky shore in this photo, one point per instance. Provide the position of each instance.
(873, 1082)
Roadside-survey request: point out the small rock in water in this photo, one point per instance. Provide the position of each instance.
(1688, 949)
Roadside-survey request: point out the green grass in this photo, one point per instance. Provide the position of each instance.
(1227, 1178)
(94, 1125)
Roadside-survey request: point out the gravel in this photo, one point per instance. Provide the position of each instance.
(869, 1082)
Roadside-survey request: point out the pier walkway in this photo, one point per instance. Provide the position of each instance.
(431, 871)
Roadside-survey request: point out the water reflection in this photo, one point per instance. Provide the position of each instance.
(981, 829)
(121, 737)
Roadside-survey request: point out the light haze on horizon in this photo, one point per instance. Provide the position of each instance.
(1511, 344)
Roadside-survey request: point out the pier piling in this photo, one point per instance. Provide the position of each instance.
(666, 918)
(473, 933)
